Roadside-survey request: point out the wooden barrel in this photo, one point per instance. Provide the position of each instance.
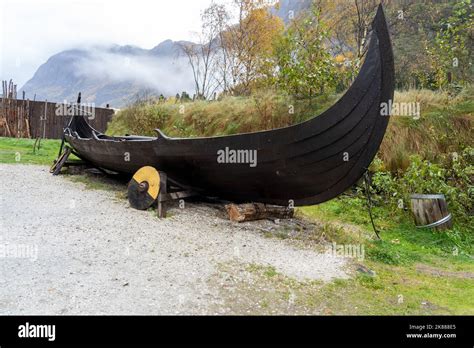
(431, 211)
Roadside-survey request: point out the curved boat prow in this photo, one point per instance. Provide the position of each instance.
(307, 163)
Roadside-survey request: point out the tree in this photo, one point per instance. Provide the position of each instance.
(185, 97)
(305, 66)
(424, 47)
(218, 17)
(451, 52)
(202, 57)
(350, 23)
(413, 26)
(249, 43)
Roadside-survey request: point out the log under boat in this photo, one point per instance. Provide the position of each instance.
(307, 163)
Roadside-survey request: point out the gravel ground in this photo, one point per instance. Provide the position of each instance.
(66, 249)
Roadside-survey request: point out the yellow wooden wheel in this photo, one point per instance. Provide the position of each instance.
(144, 188)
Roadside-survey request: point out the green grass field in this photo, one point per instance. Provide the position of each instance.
(13, 150)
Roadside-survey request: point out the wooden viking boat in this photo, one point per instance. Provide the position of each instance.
(307, 163)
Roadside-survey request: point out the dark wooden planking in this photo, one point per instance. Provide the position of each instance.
(303, 163)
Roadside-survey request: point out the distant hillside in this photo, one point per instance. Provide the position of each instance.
(288, 9)
(115, 75)
(111, 75)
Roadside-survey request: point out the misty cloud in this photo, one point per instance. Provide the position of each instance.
(35, 30)
(163, 74)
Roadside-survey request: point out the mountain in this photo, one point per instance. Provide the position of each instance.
(116, 75)
(112, 75)
(289, 9)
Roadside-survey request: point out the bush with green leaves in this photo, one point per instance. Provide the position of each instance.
(305, 67)
(451, 177)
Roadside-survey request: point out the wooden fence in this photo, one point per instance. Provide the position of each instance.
(22, 118)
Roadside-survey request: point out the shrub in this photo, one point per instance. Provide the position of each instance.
(452, 177)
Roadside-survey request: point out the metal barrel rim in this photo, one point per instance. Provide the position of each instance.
(437, 223)
(427, 196)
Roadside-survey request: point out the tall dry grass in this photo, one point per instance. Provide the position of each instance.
(445, 124)
(231, 115)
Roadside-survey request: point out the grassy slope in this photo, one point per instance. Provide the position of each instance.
(445, 124)
(231, 115)
(13, 150)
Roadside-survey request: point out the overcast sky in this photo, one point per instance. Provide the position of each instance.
(33, 30)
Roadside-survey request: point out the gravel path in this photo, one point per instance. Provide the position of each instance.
(65, 249)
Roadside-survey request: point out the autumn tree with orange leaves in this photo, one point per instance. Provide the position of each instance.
(249, 43)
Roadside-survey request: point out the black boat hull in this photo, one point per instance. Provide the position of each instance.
(304, 164)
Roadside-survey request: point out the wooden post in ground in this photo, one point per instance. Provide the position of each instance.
(161, 208)
(6, 108)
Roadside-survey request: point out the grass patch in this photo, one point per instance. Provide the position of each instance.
(20, 151)
(396, 261)
(14, 150)
(393, 291)
(402, 242)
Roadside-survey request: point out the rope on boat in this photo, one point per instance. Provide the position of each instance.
(369, 202)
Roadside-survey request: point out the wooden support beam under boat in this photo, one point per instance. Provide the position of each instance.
(257, 211)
